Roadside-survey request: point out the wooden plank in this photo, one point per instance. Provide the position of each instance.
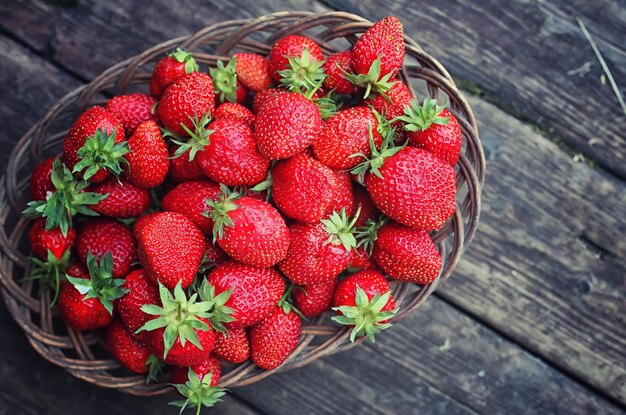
(518, 56)
(408, 371)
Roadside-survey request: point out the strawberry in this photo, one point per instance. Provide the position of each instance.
(378, 55)
(182, 168)
(141, 221)
(95, 144)
(286, 125)
(227, 86)
(186, 103)
(262, 97)
(68, 199)
(433, 128)
(335, 67)
(411, 186)
(170, 249)
(40, 181)
(313, 299)
(140, 291)
(253, 71)
(198, 384)
(364, 300)
(123, 201)
(148, 156)
(344, 196)
(124, 347)
(362, 260)
(179, 338)
(234, 111)
(407, 254)
(86, 301)
(131, 110)
(230, 155)
(398, 97)
(303, 188)
(232, 346)
(103, 236)
(345, 138)
(249, 230)
(169, 69)
(293, 46)
(189, 199)
(43, 241)
(318, 253)
(255, 291)
(363, 201)
(274, 338)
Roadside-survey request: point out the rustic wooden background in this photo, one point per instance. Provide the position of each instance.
(532, 321)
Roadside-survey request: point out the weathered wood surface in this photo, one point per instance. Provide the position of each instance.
(533, 273)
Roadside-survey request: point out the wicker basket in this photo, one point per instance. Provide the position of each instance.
(83, 354)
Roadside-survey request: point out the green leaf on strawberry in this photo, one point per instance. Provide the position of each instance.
(304, 72)
(366, 315)
(218, 312)
(155, 367)
(371, 81)
(373, 163)
(51, 272)
(225, 80)
(341, 230)
(198, 138)
(198, 393)
(219, 209)
(100, 151)
(187, 58)
(420, 117)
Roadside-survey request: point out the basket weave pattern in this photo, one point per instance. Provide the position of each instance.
(83, 354)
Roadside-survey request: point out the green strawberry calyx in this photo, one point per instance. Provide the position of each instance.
(51, 272)
(155, 367)
(198, 393)
(420, 117)
(100, 284)
(181, 317)
(187, 58)
(366, 315)
(219, 210)
(219, 313)
(373, 163)
(100, 151)
(65, 202)
(340, 229)
(286, 302)
(225, 80)
(372, 81)
(367, 234)
(198, 138)
(304, 72)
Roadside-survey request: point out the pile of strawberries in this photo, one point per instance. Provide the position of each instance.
(195, 228)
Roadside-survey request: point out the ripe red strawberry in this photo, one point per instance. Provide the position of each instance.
(101, 236)
(213, 255)
(40, 181)
(399, 97)
(363, 201)
(407, 254)
(384, 40)
(336, 78)
(198, 384)
(179, 338)
(344, 196)
(364, 300)
(95, 144)
(182, 168)
(132, 109)
(318, 253)
(141, 221)
(86, 301)
(273, 339)
(140, 292)
(232, 346)
(185, 103)
(346, 134)
(189, 199)
(286, 125)
(255, 291)
(288, 47)
(413, 187)
(249, 230)
(230, 156)
(148, 156)
(362, 260)
(227, 87)
(234, 111)
(433, 128)
(262, 97)
(170, 249)
(169, 69)
(303, 188)
(43, 241)
(123, 201)
(253, 71)
(124, 347)
(313, 299)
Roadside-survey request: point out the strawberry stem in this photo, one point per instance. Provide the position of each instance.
(198, 393)
(373, 82)
(100, 151)
(419, 118)
(198, 138)
(225, 80)
(305, 73)
(340, 230)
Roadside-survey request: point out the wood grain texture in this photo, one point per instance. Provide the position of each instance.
(518, 54)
